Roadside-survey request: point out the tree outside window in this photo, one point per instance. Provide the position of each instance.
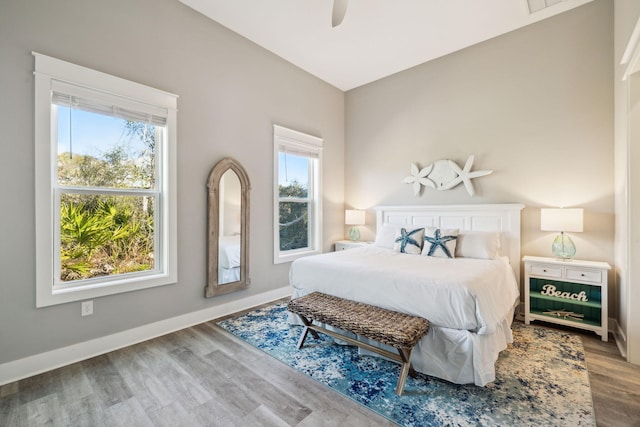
(104, 234)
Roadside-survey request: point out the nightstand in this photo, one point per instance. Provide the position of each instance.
(342, 245)
(571, 293)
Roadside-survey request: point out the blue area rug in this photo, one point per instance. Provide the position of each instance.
(541, 379)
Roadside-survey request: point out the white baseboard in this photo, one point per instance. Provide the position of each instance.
(43, 362)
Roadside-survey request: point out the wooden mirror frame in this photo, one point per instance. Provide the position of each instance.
(214, 288)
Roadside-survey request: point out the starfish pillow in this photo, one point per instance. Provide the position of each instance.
(409, 241)
(440, 242)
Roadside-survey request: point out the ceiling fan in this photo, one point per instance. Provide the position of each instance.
(339, 9)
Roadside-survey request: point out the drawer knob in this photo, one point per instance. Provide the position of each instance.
(582, 274)
(544, 270)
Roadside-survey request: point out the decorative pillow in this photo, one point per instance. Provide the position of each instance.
(440, 242)
(478, 244)
(386, 236)
(409, 241)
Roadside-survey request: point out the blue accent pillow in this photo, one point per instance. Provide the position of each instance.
(409, 241)
(439, 242)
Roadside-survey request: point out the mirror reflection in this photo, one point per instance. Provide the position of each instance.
(230, 230)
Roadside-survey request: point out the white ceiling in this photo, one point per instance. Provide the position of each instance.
(377, 38)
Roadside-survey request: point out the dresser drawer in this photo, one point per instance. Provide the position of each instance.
(546, 271)
(585, 275)
(343, 245)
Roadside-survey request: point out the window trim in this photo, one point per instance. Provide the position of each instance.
(301, 142)
(47, 70)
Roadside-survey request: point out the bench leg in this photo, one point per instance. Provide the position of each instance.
(405, 355)
(306, 331)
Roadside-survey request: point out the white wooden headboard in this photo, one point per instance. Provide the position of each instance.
(504, 218)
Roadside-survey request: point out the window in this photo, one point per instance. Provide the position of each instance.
(105, 184)
(297, 194)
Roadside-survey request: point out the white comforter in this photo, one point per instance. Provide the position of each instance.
(463, 293)
(229, 252)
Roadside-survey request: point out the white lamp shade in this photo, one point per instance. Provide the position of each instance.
(561, 220)
(354, 217)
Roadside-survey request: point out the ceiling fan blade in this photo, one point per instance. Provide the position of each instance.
(339, 10)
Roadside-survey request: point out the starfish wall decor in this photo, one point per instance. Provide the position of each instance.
(443, 175)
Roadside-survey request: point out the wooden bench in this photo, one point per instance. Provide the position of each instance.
(398, 330)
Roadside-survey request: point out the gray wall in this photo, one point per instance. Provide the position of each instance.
(534, 105)
(231, 91)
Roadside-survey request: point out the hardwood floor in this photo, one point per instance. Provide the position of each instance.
(615, 384)
(204, 376)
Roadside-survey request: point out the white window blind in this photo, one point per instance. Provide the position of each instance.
(291, 147)
(77, 97)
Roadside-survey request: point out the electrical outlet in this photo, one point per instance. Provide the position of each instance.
(87, 308)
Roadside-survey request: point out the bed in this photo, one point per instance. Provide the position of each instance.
(469, 300)
(229, 259)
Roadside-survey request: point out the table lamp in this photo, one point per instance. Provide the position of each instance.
(354, 218)
(562, 220)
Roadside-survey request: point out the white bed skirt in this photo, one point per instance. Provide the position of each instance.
(458, 356)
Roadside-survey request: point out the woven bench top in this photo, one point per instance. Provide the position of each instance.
(389, 327)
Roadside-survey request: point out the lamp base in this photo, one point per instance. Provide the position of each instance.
(354, 233)
(563, 247)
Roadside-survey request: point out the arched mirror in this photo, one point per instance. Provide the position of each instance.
(228, 223)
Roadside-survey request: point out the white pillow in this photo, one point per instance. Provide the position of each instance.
(440, 242)
(478, 244)
(386, 236)
(409, 241)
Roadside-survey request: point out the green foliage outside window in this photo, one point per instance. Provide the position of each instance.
(294, 217)
(107, 234)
